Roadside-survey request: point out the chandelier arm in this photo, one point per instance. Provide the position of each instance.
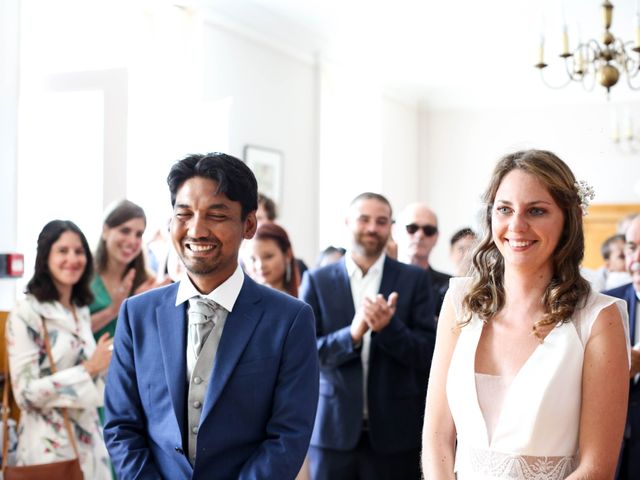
(632, 60)
(569, 71)
(595, 47)
(554, 87)
(630, 85)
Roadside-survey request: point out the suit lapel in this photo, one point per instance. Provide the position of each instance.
(238, 329)
(632, 301)
(172, 331)
(389, 275)
(342, 288)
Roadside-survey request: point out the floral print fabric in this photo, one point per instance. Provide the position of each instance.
(42, 435)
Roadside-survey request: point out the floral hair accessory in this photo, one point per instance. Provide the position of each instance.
(586, 193)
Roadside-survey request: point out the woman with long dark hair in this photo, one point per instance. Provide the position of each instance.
(530, 373)
(56, 306)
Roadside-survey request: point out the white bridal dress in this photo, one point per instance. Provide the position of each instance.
(525, 427)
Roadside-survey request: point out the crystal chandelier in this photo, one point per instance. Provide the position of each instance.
(593, 61)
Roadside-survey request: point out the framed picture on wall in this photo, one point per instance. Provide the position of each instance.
(266, 164)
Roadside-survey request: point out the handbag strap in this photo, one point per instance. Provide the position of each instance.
(5, 410)
(65, 413)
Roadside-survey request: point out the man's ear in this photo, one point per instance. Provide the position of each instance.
(250, 225)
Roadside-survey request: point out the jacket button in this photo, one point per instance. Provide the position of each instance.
(179, 450)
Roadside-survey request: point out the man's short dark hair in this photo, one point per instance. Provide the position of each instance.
(605, 249)
(460, 234)
(373, 196)
(269, 206)
(234, 178)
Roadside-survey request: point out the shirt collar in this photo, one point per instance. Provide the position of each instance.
(225, 295)
(352, 267)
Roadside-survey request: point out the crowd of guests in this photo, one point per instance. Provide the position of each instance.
(376, 304)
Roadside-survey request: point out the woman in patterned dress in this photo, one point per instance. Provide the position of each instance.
(530, 373)
(58, 295)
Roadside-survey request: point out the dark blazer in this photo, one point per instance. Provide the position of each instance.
(631, 443)
(440, 285)
(261, 401)
(399, 360)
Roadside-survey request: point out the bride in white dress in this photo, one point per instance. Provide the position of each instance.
(530, 373)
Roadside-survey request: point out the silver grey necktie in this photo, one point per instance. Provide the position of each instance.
(202, 316)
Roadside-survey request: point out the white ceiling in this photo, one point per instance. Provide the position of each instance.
(442, 53)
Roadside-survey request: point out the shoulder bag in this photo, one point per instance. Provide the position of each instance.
(66, 469)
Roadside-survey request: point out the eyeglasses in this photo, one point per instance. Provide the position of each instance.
(428, 230)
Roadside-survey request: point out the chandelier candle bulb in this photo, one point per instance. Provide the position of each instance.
(607, 14)
(637, 25)
(565, 41)
(580, 62)
(541, 51)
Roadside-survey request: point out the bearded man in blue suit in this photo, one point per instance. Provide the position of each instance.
(629, 463)
(375, 337)
(214, 376)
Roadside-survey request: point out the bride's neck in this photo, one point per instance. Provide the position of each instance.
(523, 286)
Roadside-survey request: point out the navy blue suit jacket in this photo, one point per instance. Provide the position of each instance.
(261, 401)
(399, 360)
(632, 430)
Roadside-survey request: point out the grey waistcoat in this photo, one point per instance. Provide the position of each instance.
(199, 384)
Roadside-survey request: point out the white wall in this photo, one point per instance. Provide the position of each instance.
(459, 148)
(400, 161)
(9, 34)
(273, 105)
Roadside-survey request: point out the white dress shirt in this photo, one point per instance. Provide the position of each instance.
(225, 295)
(364, 286)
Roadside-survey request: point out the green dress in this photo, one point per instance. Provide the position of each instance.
(101, 301)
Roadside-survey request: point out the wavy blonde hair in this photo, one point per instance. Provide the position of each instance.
(567, 290)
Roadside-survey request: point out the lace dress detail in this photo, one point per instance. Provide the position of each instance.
(535, 434)
(525, 467)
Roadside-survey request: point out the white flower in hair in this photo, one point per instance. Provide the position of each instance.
(586, 193)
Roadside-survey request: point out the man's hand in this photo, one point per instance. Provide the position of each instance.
(358, 327)
(378, 312)
(635, 363)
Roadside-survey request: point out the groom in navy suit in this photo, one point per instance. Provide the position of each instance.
(375, 337)
(629, 463)
(214, 376)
